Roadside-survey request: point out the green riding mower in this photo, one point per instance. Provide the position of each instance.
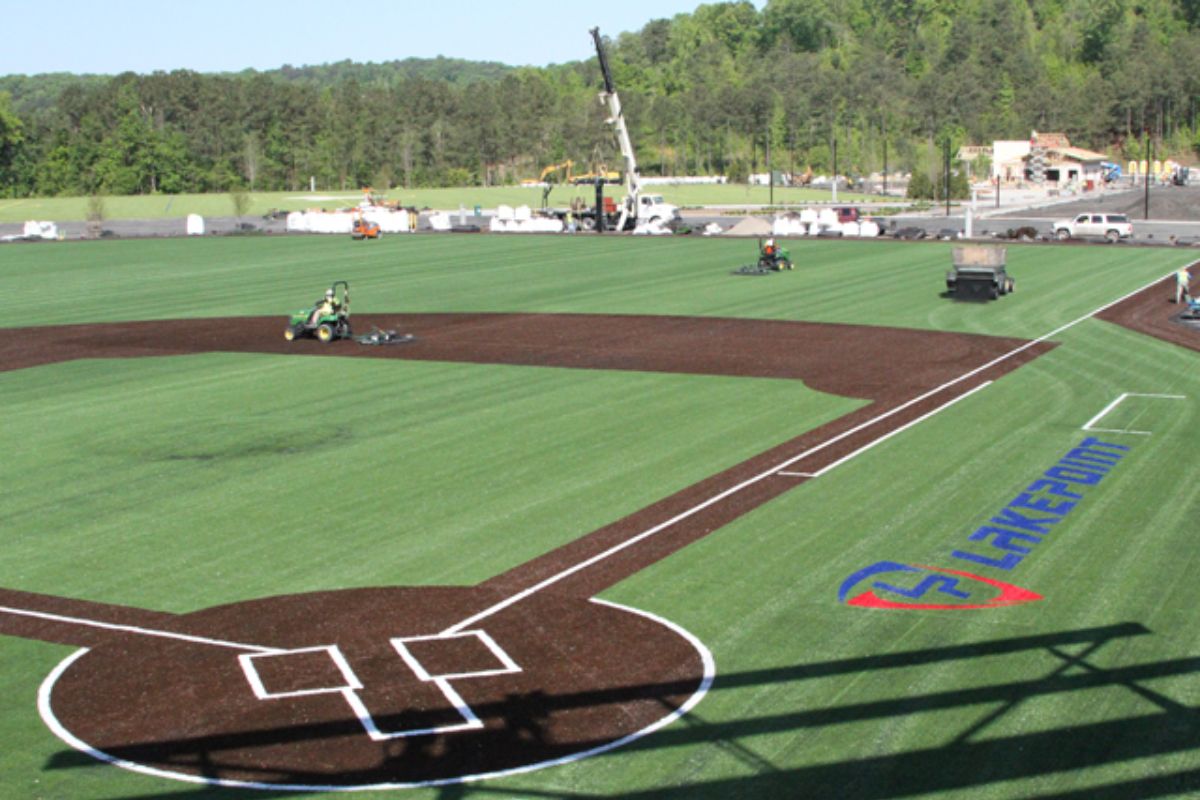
(327, 319)
(772, 257)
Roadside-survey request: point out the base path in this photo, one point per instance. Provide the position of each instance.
(1153, 312)
(396, 687)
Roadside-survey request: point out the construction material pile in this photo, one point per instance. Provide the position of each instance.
(750, 226)
(34, 231)
(342, 221)
(822, 223)
(522, 220)
(653, 227)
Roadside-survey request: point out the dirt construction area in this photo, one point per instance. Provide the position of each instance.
(1166, 203)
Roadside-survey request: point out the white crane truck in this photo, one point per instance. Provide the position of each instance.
(637, 207)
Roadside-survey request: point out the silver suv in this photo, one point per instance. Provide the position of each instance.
(1112, 227)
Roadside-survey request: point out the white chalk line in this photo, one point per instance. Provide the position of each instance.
(1087, 426)
(901, 429)
(708, 667)
(349, 690)
(112, 626)
(691, 512)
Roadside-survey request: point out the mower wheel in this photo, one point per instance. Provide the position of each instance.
(290, 334)
(325, 333)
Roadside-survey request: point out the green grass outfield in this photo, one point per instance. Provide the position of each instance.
(143, 482)
(157, 206)
(874, 283)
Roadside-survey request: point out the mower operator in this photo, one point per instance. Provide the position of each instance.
(1182, 279)
(326, 306)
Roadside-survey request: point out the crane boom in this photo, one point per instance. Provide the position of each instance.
(633, 186)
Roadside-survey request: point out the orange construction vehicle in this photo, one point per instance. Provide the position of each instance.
(365, 229)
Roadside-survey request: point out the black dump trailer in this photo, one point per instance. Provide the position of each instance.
(979, 273)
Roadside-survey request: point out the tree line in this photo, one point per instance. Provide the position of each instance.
(722, 90)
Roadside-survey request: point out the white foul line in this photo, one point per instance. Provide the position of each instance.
(569, 571)
(902, 428)
(112, 626)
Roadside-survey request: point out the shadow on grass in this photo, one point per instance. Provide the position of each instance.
(967, 758)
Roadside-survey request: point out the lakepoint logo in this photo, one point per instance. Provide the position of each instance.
(1001, 544)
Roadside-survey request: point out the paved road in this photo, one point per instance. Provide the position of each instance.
(1173, 212)
(154, 227)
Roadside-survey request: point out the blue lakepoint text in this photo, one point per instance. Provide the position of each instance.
(1011, 534)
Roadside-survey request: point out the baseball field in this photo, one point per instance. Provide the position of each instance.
(615, 523)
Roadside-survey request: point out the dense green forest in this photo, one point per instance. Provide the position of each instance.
(711, 92)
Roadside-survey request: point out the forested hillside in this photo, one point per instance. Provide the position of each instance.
(707, 92)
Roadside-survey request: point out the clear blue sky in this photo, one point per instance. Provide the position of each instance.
(107, 37)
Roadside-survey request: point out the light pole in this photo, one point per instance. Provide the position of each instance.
(946, 173)
(835, 172)
(885, 164)
(1149, 164)
(770, 172)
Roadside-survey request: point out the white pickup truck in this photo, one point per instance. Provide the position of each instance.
(1113, 227)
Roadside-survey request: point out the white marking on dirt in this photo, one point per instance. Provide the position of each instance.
(709, 671)
(717, 498)
(112, 626)
(507, 664)
(349, 679)
(470, 721)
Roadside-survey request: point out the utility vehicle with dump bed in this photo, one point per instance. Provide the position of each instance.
(980, 273)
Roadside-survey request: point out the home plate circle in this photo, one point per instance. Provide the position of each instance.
(375, 688)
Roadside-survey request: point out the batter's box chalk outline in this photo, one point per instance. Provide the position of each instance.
(1090, 424)
(507, 664)
(351, 681)
(352, 685)
(470, 721)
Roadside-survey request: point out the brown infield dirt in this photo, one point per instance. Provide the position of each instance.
(547, 673)
(1152, 312)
